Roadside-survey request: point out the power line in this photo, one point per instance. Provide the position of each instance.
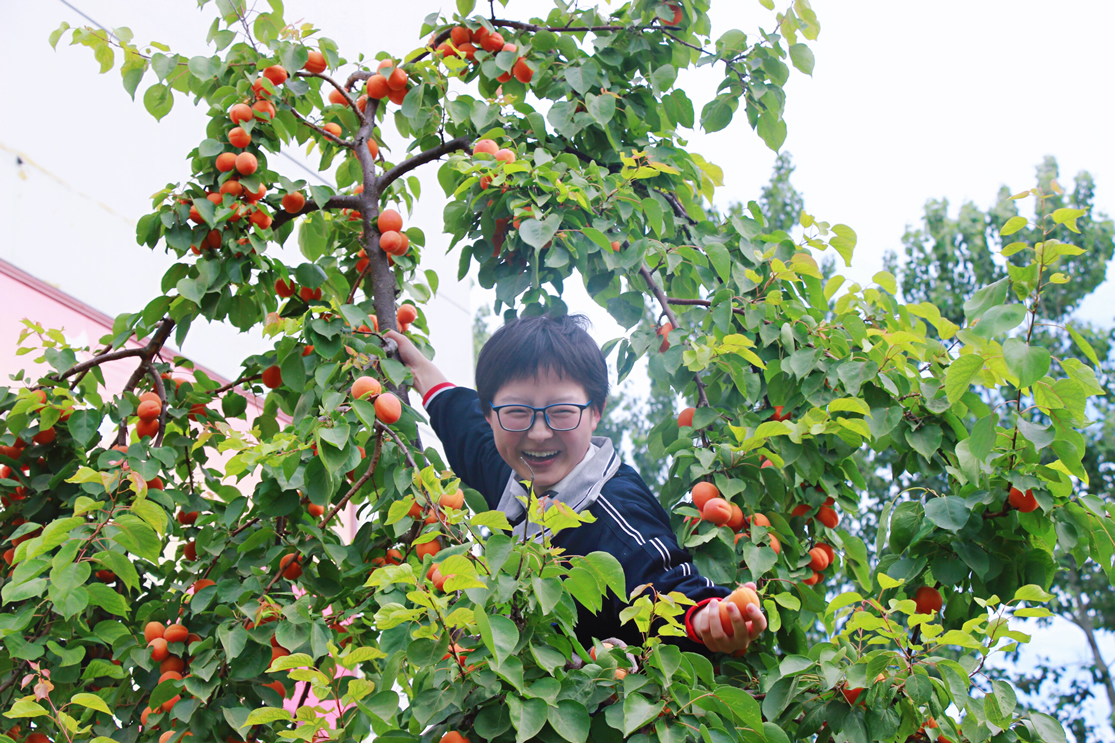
(83, 15)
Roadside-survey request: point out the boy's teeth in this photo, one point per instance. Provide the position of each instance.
(540, 454)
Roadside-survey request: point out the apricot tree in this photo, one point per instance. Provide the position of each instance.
(559, 143)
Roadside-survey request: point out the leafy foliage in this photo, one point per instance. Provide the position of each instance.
(433, 618)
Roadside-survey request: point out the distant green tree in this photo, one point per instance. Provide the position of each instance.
(946, 260)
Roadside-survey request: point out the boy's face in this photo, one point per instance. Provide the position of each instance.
(550, 454)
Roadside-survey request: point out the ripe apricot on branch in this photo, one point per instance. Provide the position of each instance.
(453, 737)
(237, 137)
(226, 161)
(273, 377)
(246, 163)
(828, 517)
(277, 74)
(366, 387)
(284, 289)
(377, 87)
(428, 548)
(663, 332)
(685, 417)
(717, 511)
(240, 113)
(487, 146)
(149, 410)
(290, 566)
(928, 600)
(407, 313)
(819, 560)
(152, 631)
(315, 63)
(388, 408)
(293, 202)
(1024, 502)
(702, 493)
(389, 220)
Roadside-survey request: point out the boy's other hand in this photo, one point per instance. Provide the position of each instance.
(746, 628)
(426, 375)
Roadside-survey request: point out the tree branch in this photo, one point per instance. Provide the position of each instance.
(340, 201)
(422, 158)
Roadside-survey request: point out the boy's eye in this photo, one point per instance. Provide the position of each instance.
(560, 414)
(516, 414)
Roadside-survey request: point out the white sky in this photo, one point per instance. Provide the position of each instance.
(908, 101)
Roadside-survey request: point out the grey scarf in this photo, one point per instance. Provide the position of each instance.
(578, 490)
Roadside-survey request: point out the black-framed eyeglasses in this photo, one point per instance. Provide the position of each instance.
(561, 416)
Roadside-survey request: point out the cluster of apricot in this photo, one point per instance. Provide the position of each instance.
(148, 412)
(287, 289)
(465, 43)
(720, 512)
(161, 640)
(387, 406)
(826, 514)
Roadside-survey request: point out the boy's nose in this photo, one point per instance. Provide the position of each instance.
(539, 431)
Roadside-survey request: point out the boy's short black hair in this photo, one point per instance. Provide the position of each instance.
(528, 345)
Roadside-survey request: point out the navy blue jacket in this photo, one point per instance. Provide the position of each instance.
(630, 522)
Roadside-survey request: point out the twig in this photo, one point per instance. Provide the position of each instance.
(328, 135)
(360, 482)
(700, 303)
(226, 387)
(160, 390)
(664, 301)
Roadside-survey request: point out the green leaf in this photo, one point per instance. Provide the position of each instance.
(984, 299)
(772, 130)
(1032, 593)
(950, 512)
(1000, 703)
(92, 701)
(742, 704)
(844, 242)
(570, 719)
(1048, 728)
(960, 374)
(1028, 363)
(158, 100)
(538, 233)
(153, 514)
(26, 708)
(266, 715)
(608, 571)
(602, 108)
(802, 57)
(638, 711)
(1078, 339)
(998, 320)
(527, 716)
(1013, 225)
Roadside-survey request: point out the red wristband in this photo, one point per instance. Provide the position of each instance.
(689, 620)
(433, 391)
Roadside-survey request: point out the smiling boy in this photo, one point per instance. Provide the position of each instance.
(542, 383)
